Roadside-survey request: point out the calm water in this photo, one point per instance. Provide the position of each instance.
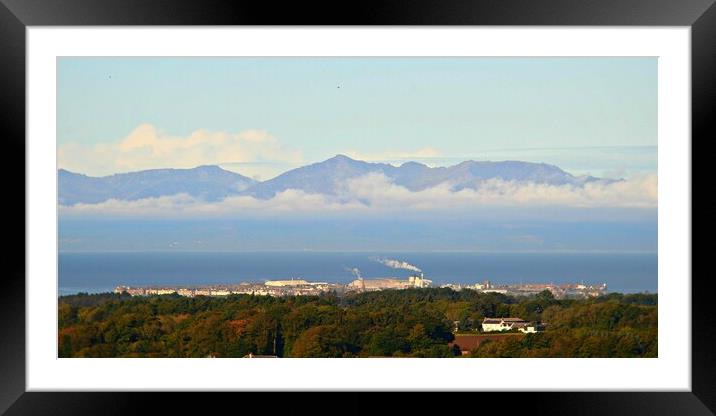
(100, 272)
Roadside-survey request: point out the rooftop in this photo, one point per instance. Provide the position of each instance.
(498, 320)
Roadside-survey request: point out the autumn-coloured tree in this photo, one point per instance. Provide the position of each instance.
(391, 323)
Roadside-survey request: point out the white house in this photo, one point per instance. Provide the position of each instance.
(531, 329)
(503, 324)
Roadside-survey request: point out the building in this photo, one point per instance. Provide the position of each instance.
(531, 329)
(160, 291)
(485, 285)
(503, 324)
(377, 284)
(185, 292)
(419, 281)
(389, 283)
(283, 283)
(133, 291)
(467, 343)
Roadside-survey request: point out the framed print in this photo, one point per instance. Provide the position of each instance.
(427, 198)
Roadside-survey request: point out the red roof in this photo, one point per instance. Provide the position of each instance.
(470, 342)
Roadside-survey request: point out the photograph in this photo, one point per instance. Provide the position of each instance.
(357, 207)
(477, 197)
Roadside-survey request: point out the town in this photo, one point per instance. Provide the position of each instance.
(300, 287)
(563, 291)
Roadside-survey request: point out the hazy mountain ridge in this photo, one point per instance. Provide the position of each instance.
(212, 183)
(327, 176)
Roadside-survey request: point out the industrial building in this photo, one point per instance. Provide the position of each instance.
(284, 283)
(368, 285)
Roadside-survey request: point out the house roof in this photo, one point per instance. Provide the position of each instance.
(470, 342)
(498, 320)
(467, 343)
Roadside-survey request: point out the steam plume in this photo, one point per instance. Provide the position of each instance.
(397, 264)
(355, 272)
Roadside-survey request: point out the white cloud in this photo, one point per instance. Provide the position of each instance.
(376, 194)
(146, 147)
(636, 192)
(289, 201)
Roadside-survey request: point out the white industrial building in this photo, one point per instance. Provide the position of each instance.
(283, 283)
(389, 283)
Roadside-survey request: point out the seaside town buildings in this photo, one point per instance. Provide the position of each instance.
(295, 287)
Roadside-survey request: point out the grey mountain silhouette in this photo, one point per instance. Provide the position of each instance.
(209, 183)
(212, 183)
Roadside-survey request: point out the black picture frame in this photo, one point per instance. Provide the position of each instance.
(16, 15)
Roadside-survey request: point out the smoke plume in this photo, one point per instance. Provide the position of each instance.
(397, 264)
(355, 272)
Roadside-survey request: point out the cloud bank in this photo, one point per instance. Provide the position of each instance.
(146, 147)
(376, 194)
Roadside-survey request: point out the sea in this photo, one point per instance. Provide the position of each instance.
(97, 272)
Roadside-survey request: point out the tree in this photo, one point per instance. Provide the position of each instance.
(319, 341)
(387, 342)
(418, 338)
(416, 322)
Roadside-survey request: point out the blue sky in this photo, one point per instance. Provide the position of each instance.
(263, 116)
(439, 110)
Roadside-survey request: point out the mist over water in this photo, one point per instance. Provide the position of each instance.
(101, 272)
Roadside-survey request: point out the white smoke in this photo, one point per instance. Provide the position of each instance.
(355, 272)
(397, 264)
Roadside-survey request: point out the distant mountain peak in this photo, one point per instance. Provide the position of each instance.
(414, 166)
(342, 159)
(209, 167)
(412, 163)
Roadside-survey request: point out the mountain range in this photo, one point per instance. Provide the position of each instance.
(212, 183)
